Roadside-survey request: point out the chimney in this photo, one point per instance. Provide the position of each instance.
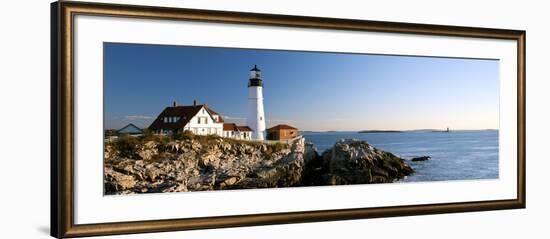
(174, 104)
(194, 102)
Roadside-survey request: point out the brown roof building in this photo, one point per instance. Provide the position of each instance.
(232, 130)
(282, 132)
(244, 128)
(230, 127)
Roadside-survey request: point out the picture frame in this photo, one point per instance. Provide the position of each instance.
(63, 120)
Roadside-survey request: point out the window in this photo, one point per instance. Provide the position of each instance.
(261, 118)
(202, 120)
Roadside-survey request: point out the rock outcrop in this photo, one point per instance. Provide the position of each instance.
(213, 163)
(191, 165)
(354, 162)
(422, 158)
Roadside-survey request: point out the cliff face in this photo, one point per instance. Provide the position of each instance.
(216, 163)
(192, 165)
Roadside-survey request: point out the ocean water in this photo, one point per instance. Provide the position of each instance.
(457, 155)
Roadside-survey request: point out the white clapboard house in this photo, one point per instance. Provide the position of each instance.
(198, 119)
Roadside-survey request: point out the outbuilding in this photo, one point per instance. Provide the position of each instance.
(232, 130)
(130, 129)
(282, 132)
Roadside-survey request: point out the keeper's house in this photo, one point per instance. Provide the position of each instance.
(198, 119)
(282, 132)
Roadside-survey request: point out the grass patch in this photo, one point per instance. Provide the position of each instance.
(127, 146)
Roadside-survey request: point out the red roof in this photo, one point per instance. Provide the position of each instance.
(230, 127)
(244, 128)
(212, 112)
(234, 127)
(280, 127)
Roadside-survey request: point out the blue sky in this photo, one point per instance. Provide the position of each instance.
(309, 90)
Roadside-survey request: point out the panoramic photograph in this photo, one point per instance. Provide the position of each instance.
(190, 118)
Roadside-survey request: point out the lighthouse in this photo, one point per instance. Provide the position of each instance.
(255, 118)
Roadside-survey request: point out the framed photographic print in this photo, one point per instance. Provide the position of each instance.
(172, 119)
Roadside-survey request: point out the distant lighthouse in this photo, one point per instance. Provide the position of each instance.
(255, 118)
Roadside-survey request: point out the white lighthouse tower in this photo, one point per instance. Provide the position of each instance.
(255, 118)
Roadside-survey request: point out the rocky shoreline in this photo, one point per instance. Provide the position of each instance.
(199, 163)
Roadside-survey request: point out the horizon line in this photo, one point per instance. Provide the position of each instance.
(398, 130)
(395, 130)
